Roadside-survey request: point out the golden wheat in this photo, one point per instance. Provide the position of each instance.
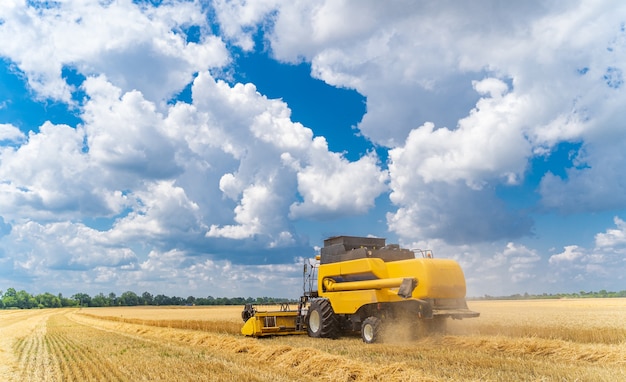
(577, 320)
(206, 313)
(583, 340)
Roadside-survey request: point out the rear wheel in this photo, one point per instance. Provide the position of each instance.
(322, 321)
(370, 330)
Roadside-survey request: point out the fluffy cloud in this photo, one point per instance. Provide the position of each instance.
(380, 56)
(515, 264)
(442, 179)
(163, 212)
(330, 185)
(571, 253)
(275, 155)
(164, 272)
(593, 268)
(49, 176)
(550, 74)
(10, 133)
(137, 47)
(126, 133)
(485, 145)
(436, 185)
(239, 19)
(181, 179)
(510, 268)
(87, 260)
(613, 238)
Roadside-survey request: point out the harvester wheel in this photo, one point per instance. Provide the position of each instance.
(370, 330)
(321, 320)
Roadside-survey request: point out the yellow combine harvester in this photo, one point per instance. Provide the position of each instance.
(362, 284)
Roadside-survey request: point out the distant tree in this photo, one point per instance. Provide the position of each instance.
(113, 299)
(220, 301)
(11, 292)
(202, 301)
(236, 301)
(9, 299)
(65, 302)
(174, 300)
(82, 299)
(129, 298)
(100, 300)
(9, 302)
(161, 299)
(25, 300)
(147, 298)
(48, 300)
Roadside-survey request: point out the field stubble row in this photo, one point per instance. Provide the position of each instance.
(519, 340)
(582, 336)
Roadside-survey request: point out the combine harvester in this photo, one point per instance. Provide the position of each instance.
(361, 284)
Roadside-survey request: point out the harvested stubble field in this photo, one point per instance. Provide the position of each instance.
(562, 340)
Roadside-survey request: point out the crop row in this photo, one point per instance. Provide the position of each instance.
(60, 351)
(214, 326)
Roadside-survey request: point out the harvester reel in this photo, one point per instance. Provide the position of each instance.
(321, 320)
(370, 330)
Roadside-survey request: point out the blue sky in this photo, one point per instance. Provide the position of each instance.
(208, 148)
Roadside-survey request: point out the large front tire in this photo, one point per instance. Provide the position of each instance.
(370, 330)
(322, 321)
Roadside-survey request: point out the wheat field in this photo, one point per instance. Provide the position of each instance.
(532, 340)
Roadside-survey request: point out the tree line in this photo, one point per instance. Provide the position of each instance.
(582, 294)
(12, 299)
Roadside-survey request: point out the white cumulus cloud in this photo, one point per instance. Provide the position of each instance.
(614, 237)
(136, 47)
(10, 133)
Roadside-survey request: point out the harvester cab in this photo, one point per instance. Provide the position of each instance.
(360, 284)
